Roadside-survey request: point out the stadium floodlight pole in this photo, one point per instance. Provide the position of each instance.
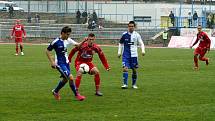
(179, 18)
(29, 3)
(192, 5)
(86, 5)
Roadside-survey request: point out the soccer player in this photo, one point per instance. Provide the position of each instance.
(202, 48)
(61, 61)
(17, 32)
(85, 55)
(128, 43)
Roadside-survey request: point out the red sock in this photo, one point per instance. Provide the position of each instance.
(97, 81)
(196, 61)
(16, 48)
(77, 82)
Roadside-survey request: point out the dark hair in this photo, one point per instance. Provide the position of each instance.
(199, 26)
(132, 22)
(91, 35)
(66, 29)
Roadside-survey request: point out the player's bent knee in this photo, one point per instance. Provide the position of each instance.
(94, 71)
(70, 77)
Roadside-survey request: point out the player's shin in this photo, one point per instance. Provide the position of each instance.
(60, 85)
(97, 81)
(196, 61)
(125, 78)
(72, 86)
(134, 78)
(16, 48)
(21, 48)
(78, 81)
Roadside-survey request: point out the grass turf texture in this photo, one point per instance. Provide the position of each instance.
(169, 89)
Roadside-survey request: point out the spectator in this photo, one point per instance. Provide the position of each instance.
(37, 18)
(78, 16)
(210, 20)
(195, 18)
(84, 15)
(29, 18)
(172, 18)
(94, 16)
(10, 11)
(189, 19)
(92, 25)
(165, 37)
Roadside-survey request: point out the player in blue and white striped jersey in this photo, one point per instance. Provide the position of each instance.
(61, 61)
(129, 44)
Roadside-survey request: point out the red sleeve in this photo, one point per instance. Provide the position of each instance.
(13, 30)
(23, 31)
(72, 53)
(102, 57)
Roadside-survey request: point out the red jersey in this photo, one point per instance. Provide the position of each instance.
(18, 30)
(85, 54)
(205, 41)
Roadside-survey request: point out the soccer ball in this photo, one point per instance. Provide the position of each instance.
(84, 68)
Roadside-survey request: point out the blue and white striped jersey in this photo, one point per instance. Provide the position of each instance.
(129, 43)
(60, 47)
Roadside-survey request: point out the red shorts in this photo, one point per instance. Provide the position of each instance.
(18, 40)
(200, 51)
(90, 64)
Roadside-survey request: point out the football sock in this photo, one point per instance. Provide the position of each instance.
(77, 82)
(125, 78)
(196, 61)
(97, 81)
(72, 86)
(16, 48)
(134, 79)
(59, 86)
(21, 48)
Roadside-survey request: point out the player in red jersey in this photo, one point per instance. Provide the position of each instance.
(203, 47)
(85, 55)
(17, 32)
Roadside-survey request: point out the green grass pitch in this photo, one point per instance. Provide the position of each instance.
(169, 89)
